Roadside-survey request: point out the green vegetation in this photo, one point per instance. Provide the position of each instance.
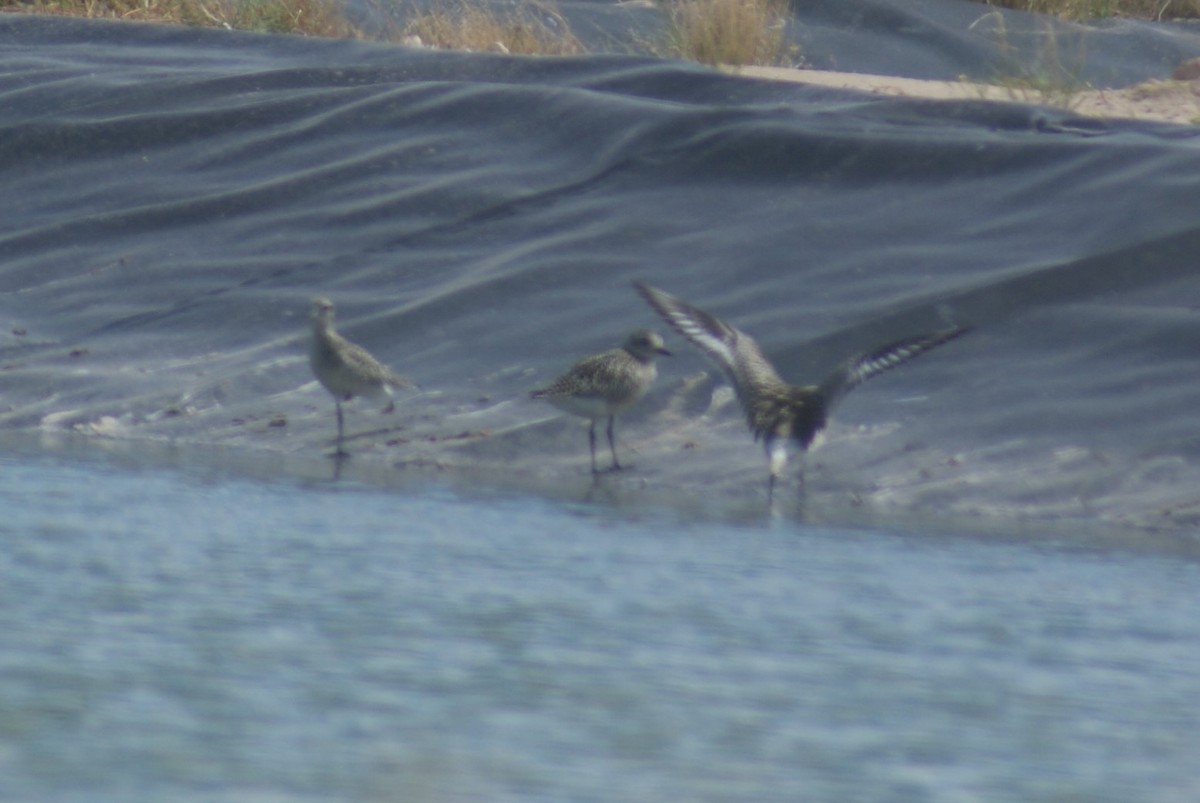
(1052, 76)
(708, 31)
(733, 32)
(305, 17)
(1092, 9)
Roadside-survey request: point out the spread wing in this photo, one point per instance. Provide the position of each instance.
(860, 368)
(732, 350)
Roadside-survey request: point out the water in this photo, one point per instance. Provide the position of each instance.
(187, 634)
(180, 631)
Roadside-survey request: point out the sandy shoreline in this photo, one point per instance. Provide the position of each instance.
(1165, 101)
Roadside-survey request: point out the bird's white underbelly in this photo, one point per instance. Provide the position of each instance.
(585, 406)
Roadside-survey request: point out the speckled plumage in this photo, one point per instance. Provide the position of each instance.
(776, 411)
(606, 384)
(346, 369)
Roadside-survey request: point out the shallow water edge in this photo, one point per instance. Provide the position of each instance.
(625, 496)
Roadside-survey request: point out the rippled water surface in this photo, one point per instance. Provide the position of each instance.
(185, 634)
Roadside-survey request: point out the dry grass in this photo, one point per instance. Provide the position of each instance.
(730, 32)
(1052, 75)
(527, 28)
(734, 32)
(708, 31)
(1091, 9)
(304, 17)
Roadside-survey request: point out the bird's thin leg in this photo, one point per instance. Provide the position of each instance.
(391, 402)
(592, 444)
(776, 461)
(612, 445)
(338, 452)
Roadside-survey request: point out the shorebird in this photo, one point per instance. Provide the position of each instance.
(776, 411)
(346, 369)
(606, 384)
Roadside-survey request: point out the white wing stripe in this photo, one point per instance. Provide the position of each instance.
(873, 364)
(719, 348)
(718, 345)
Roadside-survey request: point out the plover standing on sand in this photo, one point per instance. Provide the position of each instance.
(606, 384)
(345, 369)
(778, 412)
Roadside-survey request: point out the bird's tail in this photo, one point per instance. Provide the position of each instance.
(402, 382)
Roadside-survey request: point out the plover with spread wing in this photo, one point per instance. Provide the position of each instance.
(776, 411)
(604, 385)
(346, 369)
